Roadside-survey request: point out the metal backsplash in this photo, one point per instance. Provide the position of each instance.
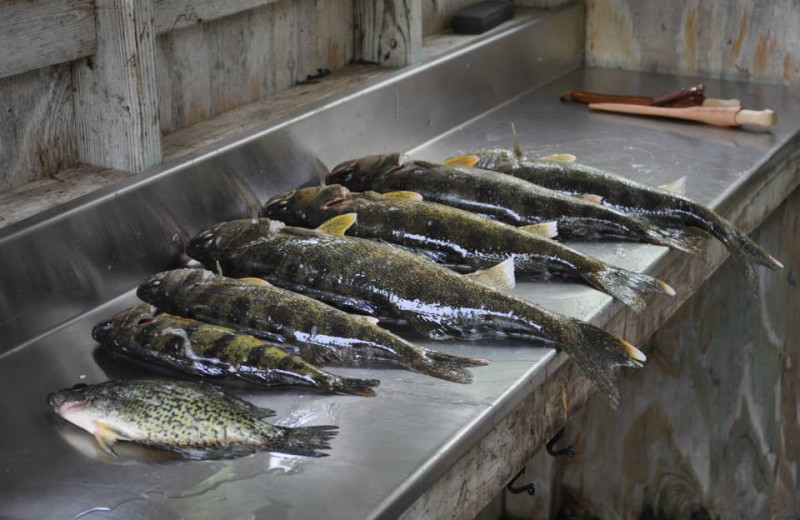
(62, 263)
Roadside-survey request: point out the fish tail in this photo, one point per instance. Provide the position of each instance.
(354, 386)
(676, 238)
(628, 287)
(307, 440)
(599, 355)
(447, 367)
(747, 254)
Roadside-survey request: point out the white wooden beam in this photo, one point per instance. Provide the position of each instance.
(388, 32)
(172, 15)
(116, 103)
(44, 32)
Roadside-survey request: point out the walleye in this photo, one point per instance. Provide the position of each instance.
(458, 239)
(664, 207)
(400, 285)
(321, 333)
(213, 351)
(198, 421)
(501, 197)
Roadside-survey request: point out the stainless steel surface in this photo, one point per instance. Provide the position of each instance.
(78, 259)
(392, 447)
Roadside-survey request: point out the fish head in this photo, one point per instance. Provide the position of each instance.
(213, 244)
(112, 333)
(159, 290)
(358, 174)
(308, 206)
(81, 405)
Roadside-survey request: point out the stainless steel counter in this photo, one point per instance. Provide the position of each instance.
(393, 447)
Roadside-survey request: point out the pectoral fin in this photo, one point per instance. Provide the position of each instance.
(590, 197)
(515, 137)
(255, 281)
(105, 436)
(678, 186)
(372, 320)
(542, 229)
(559, 157)
(500, 277)
(467, 161)
(337, 226)
(407, 195)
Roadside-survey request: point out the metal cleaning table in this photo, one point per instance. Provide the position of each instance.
(423, 446)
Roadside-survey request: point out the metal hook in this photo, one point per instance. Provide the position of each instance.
(529, 488)
(566, 452)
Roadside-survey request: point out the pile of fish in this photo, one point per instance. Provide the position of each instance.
(433, 247)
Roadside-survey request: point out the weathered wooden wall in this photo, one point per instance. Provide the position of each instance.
(37, 129)
(737, 39)
(710, 428)
(216, 66)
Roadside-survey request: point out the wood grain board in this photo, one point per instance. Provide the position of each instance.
(388, 33)
(45, 32)
(214, 67)
(37, 134)
(116, 104)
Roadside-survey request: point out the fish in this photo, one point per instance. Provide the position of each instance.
(458, 239)
(209, 350)
(196, 420)
(399, 285)
(502, 197)
(318, 332)
(665, 205)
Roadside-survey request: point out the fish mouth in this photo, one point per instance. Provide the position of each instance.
(338, 201)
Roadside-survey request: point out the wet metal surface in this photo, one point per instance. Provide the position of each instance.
(390, 448)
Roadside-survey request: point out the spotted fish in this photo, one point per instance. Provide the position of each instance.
(458, 239)
(198, 421)
(502, 197)
(212, 351)
(320, 333)
(391, 282)
(666, 207)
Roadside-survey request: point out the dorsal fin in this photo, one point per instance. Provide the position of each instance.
(406, 195)
(255, 281)
(219, 268)
(517, 148)
(500, 277)
(467, 161)
(590, 197)
(677, 186)
(369, 319)
(559, 157)
(338, 225)
(542, 229)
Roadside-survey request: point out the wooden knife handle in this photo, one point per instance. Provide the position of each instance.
(718, 116)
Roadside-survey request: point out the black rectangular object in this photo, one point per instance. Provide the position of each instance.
(479, 18)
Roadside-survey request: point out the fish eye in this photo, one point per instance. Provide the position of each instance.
(80, 386)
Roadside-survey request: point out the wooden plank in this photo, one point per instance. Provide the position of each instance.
(738, 39)
(389, 32)
(219, 66)
(45, 32)
(116, 103)
(68, 184)
(480, 474)
(259, 114)
(37, 133)
(171, 15)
